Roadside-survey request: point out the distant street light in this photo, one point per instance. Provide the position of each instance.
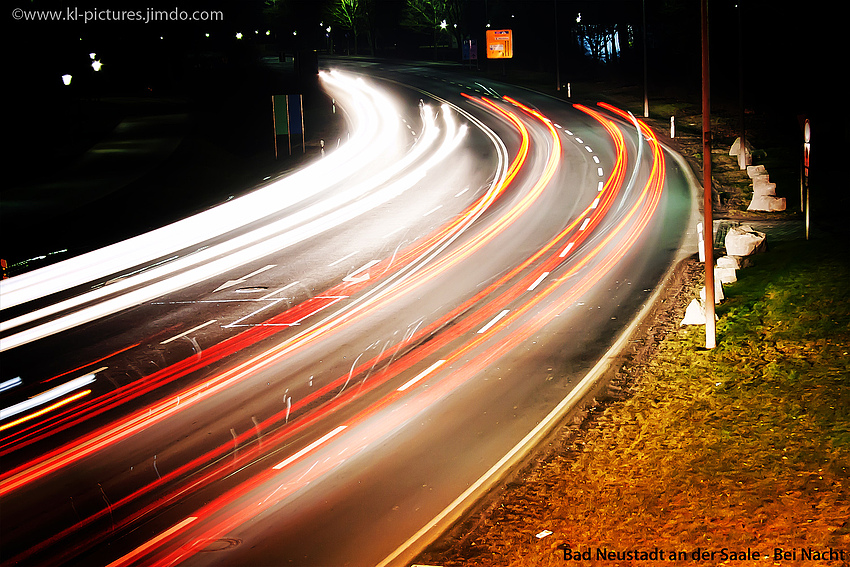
(66, 79)
(96, 65)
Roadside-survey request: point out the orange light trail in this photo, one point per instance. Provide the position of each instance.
(187, 397)
(46, 410)
(641, 210)
(230, 520)
(99, 439)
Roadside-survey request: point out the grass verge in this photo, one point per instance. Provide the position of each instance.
(746, 446)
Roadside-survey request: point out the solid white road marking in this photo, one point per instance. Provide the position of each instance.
(537, 281)
(493, 321)
(421, 375)
(566, 250)
(309, 448)
(192, 330)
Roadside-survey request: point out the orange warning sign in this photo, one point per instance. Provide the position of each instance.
(500, 44)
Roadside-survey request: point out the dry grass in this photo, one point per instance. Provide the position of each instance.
(744, 446)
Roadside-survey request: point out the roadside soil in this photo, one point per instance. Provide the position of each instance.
(520, 504)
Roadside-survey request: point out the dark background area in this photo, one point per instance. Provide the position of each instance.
(789, 55)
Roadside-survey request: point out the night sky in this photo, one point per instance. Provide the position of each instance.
(793, 66)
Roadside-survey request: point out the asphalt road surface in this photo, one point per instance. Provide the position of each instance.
(319, 372)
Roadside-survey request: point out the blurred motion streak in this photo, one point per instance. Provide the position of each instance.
(558, 274)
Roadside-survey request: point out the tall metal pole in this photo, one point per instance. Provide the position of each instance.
(807, 133)
(645, 85)
(742, 150)
(708, 222)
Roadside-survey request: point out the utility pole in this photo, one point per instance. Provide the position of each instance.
(708, 202)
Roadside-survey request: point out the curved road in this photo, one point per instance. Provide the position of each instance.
(312, 374)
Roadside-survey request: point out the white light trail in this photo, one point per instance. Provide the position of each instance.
(273, 237)
(374, 131)
(9, 384)
(47, 396)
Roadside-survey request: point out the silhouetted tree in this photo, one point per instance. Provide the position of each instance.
(434, 17)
